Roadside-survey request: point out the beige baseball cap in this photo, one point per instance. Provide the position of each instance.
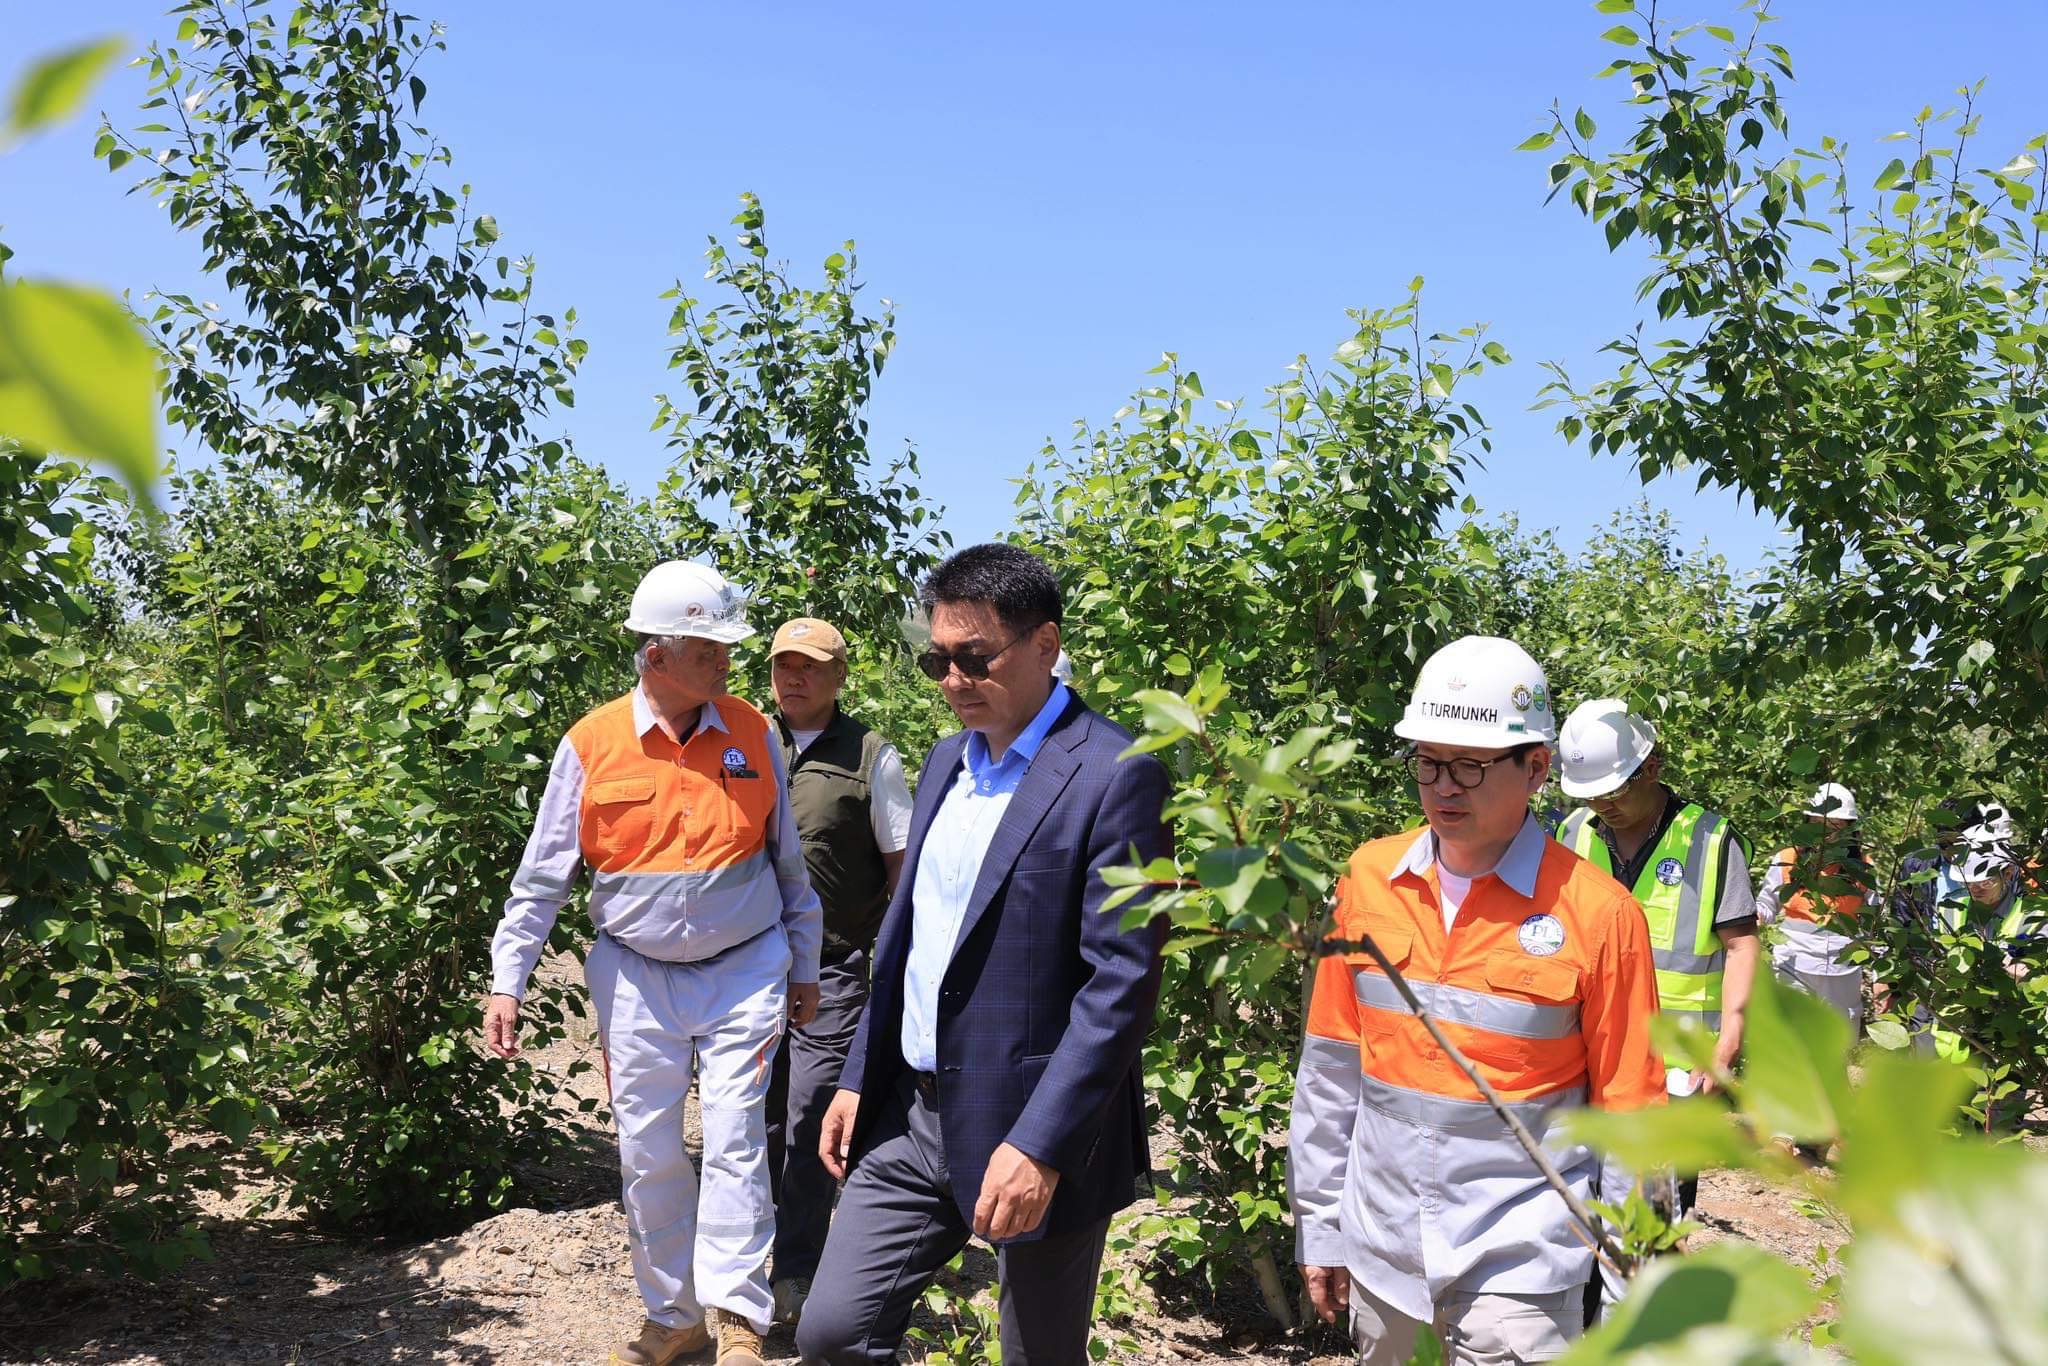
(809, 636)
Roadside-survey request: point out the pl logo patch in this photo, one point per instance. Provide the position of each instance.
(1670, 872)
(736, 763)
(1541, 935)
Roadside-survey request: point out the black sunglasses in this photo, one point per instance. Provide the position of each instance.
(938, 663)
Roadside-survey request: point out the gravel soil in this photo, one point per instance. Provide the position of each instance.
(554, 1284)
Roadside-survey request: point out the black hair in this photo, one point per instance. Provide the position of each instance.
(1008, 578)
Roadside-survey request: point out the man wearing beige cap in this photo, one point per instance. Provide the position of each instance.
(853, 808)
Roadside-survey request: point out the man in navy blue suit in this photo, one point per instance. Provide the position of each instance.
(994, 1087)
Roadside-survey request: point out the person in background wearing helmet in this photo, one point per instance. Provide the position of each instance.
(1411, 1201)
(1927, 876)
(1814, 923)
(1990, 902)
(1990, 897)
(1689, 872)
(853, 807)
(708, 934)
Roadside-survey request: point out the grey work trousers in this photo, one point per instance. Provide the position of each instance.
(1475, 1329)
(896, 1227)
(805, 1080)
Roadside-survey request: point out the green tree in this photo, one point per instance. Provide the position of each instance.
(1297, 557)
(389, 660)
(774, 479)
(1863, 359)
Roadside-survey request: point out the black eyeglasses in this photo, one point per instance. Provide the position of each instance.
(938, 663)
(1466, 773)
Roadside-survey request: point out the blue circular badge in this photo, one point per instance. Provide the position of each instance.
(1670, 872)
(735, 759)
(1541, 935)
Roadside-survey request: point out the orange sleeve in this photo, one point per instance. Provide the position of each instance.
(1623, 1068)
(1332, 1003)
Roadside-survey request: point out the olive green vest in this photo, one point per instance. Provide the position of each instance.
(828, 791)
(1679, 889)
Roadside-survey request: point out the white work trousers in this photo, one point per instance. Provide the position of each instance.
(1842, 989)
(694, 1246)
(1472, 1329)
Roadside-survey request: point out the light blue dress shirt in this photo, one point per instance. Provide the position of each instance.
(949, 864)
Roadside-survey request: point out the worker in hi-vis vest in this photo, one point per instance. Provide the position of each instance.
(1688, 870)
(1412, 1202)
(708, 938)
(1813, 894)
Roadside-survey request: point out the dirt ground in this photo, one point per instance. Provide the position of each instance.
(555, 1285)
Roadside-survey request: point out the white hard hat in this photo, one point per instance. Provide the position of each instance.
(1834, 801)
(1994, 825)
(1984, 861)
(1481, 691)
(678, 598)
(1993, 836)
(1601, 747)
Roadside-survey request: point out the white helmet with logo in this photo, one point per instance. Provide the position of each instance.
(1601, 747)
(1833, 801)
(678, 598)
(1994, 825)
(1983, 862)
(1481, 691)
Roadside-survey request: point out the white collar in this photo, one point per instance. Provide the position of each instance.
(1517, 867)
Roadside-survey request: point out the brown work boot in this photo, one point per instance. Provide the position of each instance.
(738, 1343)
(659, 1345)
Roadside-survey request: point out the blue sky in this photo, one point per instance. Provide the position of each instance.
(1053, 194)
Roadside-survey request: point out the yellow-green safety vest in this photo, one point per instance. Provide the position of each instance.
(1679, 888)
(2021, 919)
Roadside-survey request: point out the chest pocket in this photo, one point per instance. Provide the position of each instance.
(1381, 1011)
(618, 820)
(1532, 1004)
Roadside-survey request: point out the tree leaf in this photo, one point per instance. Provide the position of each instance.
(55, 87)
(78, 376)
(1233, 873)
(1725, 1283)
(1690, 1135)
(1960, 1278)
(1794, 1078)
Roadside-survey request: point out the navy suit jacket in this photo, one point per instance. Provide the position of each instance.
(1043, 1011)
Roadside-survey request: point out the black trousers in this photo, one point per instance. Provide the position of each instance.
(898, 1225)
(805, 1079)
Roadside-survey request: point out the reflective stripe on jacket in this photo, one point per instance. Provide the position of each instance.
(1397, 1168)
(1679, 890)
(692, 846)
(1808, 942)
(676, 835)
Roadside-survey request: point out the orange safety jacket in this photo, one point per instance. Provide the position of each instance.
(1398, 1169)
(1807, 938)
(1804, 905)
(691, 845)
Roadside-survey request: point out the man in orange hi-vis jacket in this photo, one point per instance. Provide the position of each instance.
(708, 934)
(1412, 1201)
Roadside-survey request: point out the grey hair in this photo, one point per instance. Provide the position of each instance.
(649, 642)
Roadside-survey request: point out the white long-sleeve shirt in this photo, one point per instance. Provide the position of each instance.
(692, 916)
